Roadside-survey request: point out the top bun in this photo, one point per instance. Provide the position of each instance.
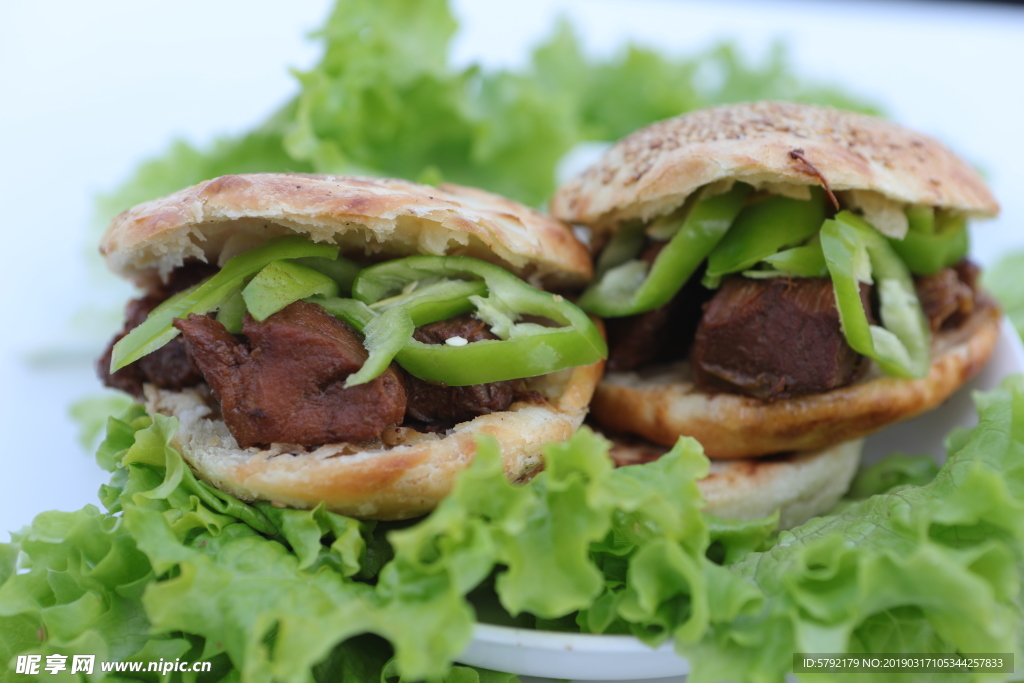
(651, 172)
(219, 218)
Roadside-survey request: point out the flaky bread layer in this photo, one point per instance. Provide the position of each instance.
(374, 217)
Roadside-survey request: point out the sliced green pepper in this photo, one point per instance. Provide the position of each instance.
(525, 355)
(341, 270)
(632, 287)
(232, 312)
(931, 245)
(524, 349)
(920, 219)
(384, 337)
(763, 229)
(804, 261)
(207, 296)
(436, 301)
(928, 254)
(901, 345)
(625, 245)
(355, 313)
(384, 334)
(281, 283)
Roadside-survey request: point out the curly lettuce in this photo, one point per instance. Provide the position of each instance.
(932, 568)
(176, 568)
(1004, 280)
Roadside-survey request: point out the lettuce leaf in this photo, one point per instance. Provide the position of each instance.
(277, 592)
(178, 569)
(77, 592)
(932, 568)
(1004, 281)
(895, 470)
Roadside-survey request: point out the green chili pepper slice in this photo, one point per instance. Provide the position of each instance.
(932, 243)
(632, 287)
(807, 260)
(761, 230)
(232, 312)
(487, 361)
(435, 301)
(900, 345)
(385, 334)
(625, 245)
(207, 296)
(355, 313)
(341, 270)
(920, 219)
(524, 349)
(281, 283)
(928, 254)
(481, 362)
(384, 337)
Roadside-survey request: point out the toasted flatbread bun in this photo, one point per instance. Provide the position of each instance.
(661, 403)
(381, 217)
(402, 475)
(875, 166)
(651, 172)
(798, 485)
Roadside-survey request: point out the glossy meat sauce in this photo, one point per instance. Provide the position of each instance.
(286, 383)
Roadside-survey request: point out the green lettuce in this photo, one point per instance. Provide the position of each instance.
(932, 568)
(176, 568)
(385, 99)
(1004, 280)
(895, 470)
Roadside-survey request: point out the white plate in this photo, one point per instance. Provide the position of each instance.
(607, 658)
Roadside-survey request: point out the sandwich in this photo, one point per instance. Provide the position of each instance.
(779, 280)
(344, 341)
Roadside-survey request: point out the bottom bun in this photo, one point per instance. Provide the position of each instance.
(662, 403)
(403, 474)
(798, 485)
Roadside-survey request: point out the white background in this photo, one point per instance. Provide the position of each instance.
(87, 90)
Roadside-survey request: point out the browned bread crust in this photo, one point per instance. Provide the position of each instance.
(652, 171)
(798, 485)
(374, 216)
(662, 403)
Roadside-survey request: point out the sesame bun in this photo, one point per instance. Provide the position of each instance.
(651, 172)
(874, 166)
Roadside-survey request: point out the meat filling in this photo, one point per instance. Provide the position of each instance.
(439, 406)
(659, 335)
(948, 296)
(282, 381)
(169, 367)
(286, 385)
(773, 339)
